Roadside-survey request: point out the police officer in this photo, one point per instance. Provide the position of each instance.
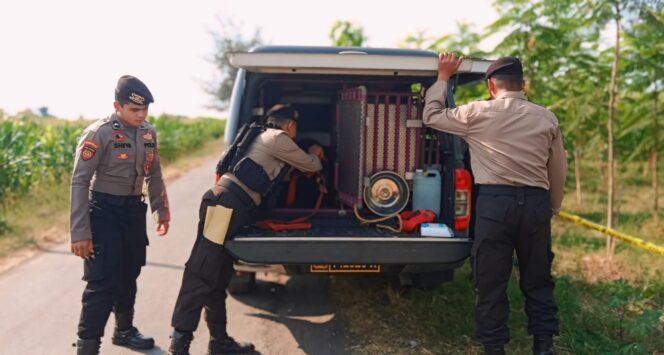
(114, 156)
(210, 268)
(518, 161)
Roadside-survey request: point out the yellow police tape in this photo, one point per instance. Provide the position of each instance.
(640, 243)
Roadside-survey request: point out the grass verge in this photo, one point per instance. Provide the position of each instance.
(602, 318)
(605, 306)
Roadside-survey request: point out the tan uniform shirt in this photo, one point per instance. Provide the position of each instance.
(272, 150)
(115, 159)
(512, 141)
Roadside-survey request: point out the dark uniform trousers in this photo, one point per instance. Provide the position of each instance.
(210, 268)
(512, 218)
(119, 239)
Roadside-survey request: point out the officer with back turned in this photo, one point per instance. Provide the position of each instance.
(108, 227)
(518, 161)
(237, 193)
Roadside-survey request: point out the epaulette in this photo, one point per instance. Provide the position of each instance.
(94, 127)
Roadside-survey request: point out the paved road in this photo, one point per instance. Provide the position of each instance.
(40, 299)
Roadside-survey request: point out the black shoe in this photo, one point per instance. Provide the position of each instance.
(494, 350)
(132, 338)
(543, 345)
(87, 346)
(180, 342)
(228, 345)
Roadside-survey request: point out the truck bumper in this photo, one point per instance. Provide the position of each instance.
(349, 250)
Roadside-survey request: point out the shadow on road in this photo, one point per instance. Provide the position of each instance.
(305, 307)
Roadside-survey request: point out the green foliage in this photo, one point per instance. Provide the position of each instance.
(347, 34)
(31, 152)
(178, 135)
(610, 318)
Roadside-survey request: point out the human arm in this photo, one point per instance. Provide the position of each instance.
(286, 150)
(157, 189)
(436, 113)
(87, 158)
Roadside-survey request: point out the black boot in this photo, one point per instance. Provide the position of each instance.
(543, 345)
(220, 343)
(494, 350)
(180, 342)
(126, 334)
(87, 346)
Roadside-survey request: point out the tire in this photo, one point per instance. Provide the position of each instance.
(242, 282)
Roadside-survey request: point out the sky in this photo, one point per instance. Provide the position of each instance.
(68, 54)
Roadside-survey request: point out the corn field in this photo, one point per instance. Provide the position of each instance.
(34, 151)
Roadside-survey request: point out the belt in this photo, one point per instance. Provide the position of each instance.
(236, 190)
(116, 200)
(511, 190)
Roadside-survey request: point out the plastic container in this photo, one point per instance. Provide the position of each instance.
(427, 191)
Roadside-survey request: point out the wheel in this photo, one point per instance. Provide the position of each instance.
(242, 282)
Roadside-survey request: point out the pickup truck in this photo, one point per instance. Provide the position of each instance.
(364, 107)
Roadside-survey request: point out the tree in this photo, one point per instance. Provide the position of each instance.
(228, 40)
(622, 15)
(644, 51)
(347, 34)
(613, 88)
(43, 111)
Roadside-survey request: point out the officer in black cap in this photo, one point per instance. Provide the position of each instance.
(115, 155)
(234, 198)
(519, 166)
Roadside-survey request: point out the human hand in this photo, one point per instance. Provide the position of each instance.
(162, 228)
(317, 150)
(448, 64)
(82, 248)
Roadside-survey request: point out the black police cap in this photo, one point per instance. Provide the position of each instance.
(505, 66)
(130, 89)
(282, 111)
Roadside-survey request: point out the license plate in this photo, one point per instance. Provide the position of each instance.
(345, 268)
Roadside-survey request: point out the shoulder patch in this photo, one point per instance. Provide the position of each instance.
(89, 149)
(90, 144)
(87, 153)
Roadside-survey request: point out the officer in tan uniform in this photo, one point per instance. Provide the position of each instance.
(519, 164)
(210, 268)
(108, 227)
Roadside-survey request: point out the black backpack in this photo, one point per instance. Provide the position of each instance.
(245, 136)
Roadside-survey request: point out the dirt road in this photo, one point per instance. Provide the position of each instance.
(40, 299)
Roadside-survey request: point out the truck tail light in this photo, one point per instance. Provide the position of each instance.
(462, 199)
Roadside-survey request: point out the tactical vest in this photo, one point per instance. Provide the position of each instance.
(251, 174)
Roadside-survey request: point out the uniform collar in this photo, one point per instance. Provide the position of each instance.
(512, 95)
(116, 123)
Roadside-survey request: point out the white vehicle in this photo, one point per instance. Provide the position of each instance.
(364, 106)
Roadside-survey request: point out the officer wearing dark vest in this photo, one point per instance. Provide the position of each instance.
(114, 156)
(518, 161)
(238, 192)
